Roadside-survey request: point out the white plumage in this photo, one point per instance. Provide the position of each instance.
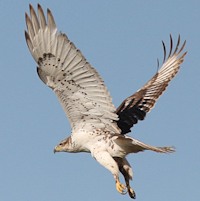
(97, 126)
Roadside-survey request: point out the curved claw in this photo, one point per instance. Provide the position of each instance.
(121, 188)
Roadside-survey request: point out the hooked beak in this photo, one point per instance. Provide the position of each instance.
(57, 149)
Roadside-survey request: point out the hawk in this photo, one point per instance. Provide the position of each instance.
(97, 126)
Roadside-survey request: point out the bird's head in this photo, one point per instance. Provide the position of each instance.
(63, 146)
(58, 148)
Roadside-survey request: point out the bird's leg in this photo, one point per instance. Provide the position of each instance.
(105, 159)
(121, 188)
(131, 192)
(126, 171)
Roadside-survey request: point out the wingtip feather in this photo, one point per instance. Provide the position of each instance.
(41, 16)
(51, 21)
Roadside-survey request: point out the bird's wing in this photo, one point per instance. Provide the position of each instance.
(61, 66)
(136, 106)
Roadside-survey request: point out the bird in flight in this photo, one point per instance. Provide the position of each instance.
(97, 126)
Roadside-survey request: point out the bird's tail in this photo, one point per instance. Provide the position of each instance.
(130, 145)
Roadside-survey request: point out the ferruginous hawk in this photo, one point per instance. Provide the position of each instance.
(97, 126)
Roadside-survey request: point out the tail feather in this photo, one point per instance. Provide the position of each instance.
(131, 145)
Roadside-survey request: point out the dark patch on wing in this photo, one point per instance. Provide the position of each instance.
(136, 107)
(130, 111)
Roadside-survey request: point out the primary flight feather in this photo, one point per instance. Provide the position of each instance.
(97, 126)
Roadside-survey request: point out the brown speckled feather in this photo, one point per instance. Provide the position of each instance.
(136, 106)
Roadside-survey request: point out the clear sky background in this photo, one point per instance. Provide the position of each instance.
(122, 40)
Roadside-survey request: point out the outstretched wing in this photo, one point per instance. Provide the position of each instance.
(62, 67)
(136, 107)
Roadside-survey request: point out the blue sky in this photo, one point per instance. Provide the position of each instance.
(122, 40)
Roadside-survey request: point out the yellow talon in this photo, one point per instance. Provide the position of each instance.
(121, 188)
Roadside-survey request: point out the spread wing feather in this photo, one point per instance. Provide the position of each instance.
(136, 106)
(78, 86)
(62, 67)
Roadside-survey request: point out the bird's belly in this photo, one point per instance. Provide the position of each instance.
(88, 142)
